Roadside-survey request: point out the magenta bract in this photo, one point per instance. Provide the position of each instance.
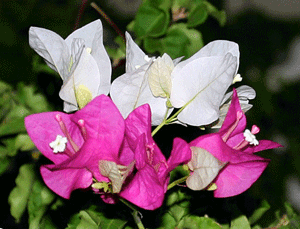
(94, 133)
(229, 145)
(147, 187)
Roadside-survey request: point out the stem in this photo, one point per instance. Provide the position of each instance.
(158, 128)
(135, 212)
(167, 121)
(80, 12)
(110, 22)
(137, 220)
(162, 124)
(176, 182)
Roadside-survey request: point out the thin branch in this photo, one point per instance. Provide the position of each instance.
(110, 22)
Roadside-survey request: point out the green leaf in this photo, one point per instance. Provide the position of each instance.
(195, 42)
(177, 207)
(240, 222)
(177, 4)
(10, 145)
(18, 198)
(93, 218)
(178, 172)
(88, 220)
(195, 222)
(258, 213)
(39, 66)
(28, 97)
(174, 43)
(220, 16)
(17, 111)
(293, 217)
(23, 142)
(197, 15)
(112, 223)
(117, 53)
(179, 41)
(5, 99)
(14, 126)
(4, 161)
(5, 105)
(4, 87)
(161, 4)
(130, 26)
(39, 200)
(151, 21)
(168, 221)
(153, 45)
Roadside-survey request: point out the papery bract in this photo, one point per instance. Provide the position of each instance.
(80, 60)
(243, 168)
(159, 76)
(147, 187)
(132, 89)
(244, 93)
(200, 82)
(204, 166)
(94, 133)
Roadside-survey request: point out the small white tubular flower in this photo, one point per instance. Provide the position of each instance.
(59, 144)
(249, 137)
(80, 59)
(237, 78)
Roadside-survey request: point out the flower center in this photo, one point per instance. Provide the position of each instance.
(249, 136)
(239, 115)
(150, 150)
(237, 78)
(150, 155)
(59, 145)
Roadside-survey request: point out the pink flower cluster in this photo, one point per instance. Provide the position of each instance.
(99, 133)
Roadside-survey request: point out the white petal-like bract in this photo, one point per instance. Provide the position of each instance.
(204, 166)
(52, 48)
(80, 59)
(132, 90)
(159, 76)
(200, 86)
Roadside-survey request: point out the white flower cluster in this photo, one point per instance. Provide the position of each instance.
(196, 86)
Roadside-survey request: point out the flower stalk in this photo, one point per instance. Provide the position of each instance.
(135, 213)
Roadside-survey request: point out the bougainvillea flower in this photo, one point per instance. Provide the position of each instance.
(93, 133)
(132, 89)
(236, 147)
(244, 93)
(81, 60)
(200, 82)
(147, 186)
